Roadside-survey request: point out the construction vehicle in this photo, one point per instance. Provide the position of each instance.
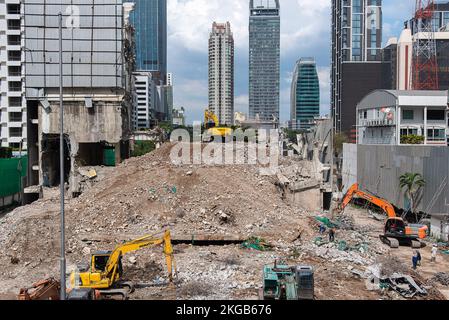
(282, 282)
(397, 231)
(104, 276)
(47, 289)
(212, 125)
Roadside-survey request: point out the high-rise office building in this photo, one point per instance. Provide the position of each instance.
(221, 72)
(150, 21)
(356, 57)
(13, 129)
(305, 94)
(264, 59)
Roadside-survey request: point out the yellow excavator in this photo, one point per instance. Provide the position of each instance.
(212, 125)
(104, 276)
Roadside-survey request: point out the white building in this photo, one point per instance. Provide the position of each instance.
(146, 94)
(178, 117)
(13, 130)
(221, 72)
(388, 117)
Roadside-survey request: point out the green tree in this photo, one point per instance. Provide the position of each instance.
(413, 184)
(339, 140)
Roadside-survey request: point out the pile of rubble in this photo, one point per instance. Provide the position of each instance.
(145, 196)
(442, 278)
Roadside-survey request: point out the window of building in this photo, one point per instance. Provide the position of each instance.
(13, 24)
(435, 115)
(14, 71)
(15, 132)
(14, 40)
(408, 114)
(15, 116)
(13, 8)
(409, 131)
(436, 134)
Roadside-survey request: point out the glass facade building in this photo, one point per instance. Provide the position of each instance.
(150, 20)
(305, 94)
(356, 38)
(264, 59)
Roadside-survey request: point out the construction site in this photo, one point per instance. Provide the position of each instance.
(227, 223)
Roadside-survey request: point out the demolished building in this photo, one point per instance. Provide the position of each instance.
(98, 61)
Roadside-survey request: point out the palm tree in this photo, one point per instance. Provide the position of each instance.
(413, 183)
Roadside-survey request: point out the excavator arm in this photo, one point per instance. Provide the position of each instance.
(381, 203)
(137, 244)
(210, 116)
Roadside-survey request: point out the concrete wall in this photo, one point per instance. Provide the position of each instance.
(440, 228)
(102, 122)
(349, 168)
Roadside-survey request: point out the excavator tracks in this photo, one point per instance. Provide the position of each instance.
(391, 242)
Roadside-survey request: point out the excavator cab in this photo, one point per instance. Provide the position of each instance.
(395, 226)
(100, 261)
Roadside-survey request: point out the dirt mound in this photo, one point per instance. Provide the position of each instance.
(144, 196)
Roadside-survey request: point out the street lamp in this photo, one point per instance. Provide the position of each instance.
(61, 163)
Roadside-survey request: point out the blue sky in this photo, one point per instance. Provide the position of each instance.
(305, 32)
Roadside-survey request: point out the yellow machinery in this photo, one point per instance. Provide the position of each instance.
(106, 268)
(212, 125)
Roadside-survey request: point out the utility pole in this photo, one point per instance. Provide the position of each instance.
(61, 158)
(331, 209)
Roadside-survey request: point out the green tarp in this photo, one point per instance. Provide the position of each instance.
(328, 223)
(11, 172)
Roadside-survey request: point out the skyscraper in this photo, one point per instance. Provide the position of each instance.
(13, 128)
(305, 94)
(264, 59)
(221, 72)
(150, 20)
(356, 57)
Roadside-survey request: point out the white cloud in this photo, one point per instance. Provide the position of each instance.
(305, 31)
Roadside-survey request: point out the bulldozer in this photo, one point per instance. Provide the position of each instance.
(397, 232)
(104, 274)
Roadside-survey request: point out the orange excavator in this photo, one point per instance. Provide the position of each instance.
(397, 231)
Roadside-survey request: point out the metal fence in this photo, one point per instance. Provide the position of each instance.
(379, 168)
(11, 173)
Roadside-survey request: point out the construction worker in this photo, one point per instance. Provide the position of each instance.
(415, 260)
(434, 253)
(418, 255)
(322, 229)
(331, 235)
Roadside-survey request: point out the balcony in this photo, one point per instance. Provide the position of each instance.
(377, 123)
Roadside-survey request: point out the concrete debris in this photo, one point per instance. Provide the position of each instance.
(198, 203)
(86, 251)
(442, 278)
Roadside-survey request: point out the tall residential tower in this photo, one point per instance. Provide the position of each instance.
(356, 57)
(13, 128)
(264, 59)
(305, 94)
(221, 72)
